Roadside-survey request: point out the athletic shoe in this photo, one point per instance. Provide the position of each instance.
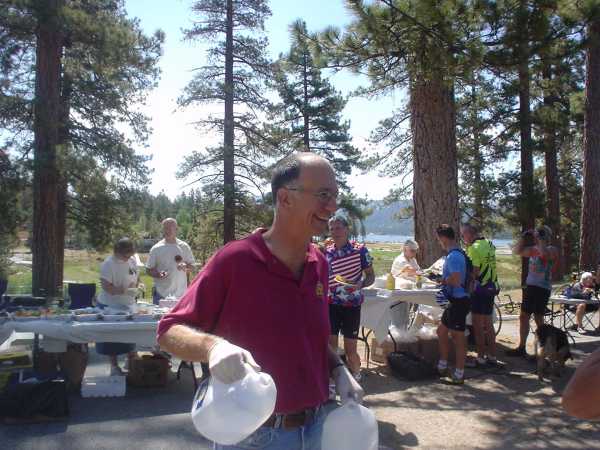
(453, 379)
(495, 363)
(475, 363)
(445, 372)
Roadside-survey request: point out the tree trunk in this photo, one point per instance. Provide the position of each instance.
(435, 170)
(551, 166)
(306, 136)
(526, 206)
(47, 246)
(590, 203)
(228, 136)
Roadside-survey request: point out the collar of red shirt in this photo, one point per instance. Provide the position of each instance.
(262, 253)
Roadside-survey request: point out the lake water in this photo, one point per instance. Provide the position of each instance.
(397, 238)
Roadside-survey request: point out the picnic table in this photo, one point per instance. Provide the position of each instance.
(141, 333)
(564, 302)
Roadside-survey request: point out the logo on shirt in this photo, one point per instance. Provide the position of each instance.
(320, 290)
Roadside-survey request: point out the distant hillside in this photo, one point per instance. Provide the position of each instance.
(384, 220)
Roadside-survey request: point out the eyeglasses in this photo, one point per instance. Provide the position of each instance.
(324, 196)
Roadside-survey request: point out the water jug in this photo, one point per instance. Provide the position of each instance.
(229, 413)
(350, 427)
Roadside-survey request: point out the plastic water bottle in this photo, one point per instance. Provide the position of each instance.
(390, 282)
(229, 413)
(350, 427)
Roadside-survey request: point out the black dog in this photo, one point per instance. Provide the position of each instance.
(551, 343)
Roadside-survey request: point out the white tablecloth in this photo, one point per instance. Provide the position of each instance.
(142, 334)
(376, 313)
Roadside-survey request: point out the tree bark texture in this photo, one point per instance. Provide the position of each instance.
(306, 134)
(590, 203)
(552, 180)
(435, 169)
(526, 209)
(228, 136)
(48, 240)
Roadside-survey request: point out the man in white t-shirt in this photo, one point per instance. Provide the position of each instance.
(405, 265)
(169, 263)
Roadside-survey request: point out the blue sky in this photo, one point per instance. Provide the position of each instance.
(174, 135)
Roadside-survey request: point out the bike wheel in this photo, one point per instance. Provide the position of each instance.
(498, 321)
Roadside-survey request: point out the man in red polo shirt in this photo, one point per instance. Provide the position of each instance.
(263, 301)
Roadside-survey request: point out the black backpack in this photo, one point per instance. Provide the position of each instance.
(469, 284)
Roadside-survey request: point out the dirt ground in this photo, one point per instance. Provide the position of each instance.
(499, 409)
(495, 409)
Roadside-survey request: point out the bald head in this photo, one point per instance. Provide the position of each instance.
(287, 170)
(169, 229)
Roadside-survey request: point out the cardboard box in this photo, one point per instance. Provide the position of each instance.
(429, 350)
(14, 360)
(379, 352)
(73, 363)
(148, 370)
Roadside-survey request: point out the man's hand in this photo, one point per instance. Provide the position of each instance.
(346, 386)
(226, 362)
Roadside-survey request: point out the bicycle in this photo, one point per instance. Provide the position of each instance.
(510, 306)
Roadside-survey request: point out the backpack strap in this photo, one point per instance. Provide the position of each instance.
(468, 266)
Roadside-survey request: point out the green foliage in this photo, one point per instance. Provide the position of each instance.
(253, 147)
(311, 108)
(11, 181)
(108, 66)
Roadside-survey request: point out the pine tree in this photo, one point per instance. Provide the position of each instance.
(235, 76)
(311, 108)
(92, 65)
(590, 204)
(424, 46)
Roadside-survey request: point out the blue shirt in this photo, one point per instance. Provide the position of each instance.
(455, 262)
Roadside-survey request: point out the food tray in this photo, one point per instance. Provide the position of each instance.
(115, 317)
(61, 317)
(86, 317)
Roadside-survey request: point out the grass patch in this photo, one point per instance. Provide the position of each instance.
(84, 267)
(80, 267)
(508, 266)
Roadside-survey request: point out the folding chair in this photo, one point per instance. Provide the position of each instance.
(587, 320)
(81, 295)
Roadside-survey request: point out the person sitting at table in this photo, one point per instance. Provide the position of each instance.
(584, 289)
(405, 265)
(347, 263)
(118, 273)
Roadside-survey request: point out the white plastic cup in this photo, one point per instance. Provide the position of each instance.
(229, 413)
